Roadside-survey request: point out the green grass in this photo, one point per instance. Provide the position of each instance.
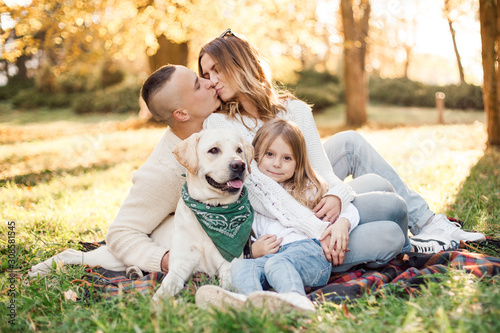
(67, 188)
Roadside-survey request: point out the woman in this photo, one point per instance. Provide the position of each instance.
(249, 99)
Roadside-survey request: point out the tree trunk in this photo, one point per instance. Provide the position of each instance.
(457, 54)
(22, 71)
(168, 53)
(489, 17)
(356, 88)
(408, 50)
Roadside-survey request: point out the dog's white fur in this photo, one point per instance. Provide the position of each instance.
(208, 153)
(191, 248)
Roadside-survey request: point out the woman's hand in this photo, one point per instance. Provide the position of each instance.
(328, 209)
(334, 241)
(265, 245)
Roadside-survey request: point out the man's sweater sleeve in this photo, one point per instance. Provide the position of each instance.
(152, 198)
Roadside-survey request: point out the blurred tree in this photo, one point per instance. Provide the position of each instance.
(58, 34)
(393, 28)
(166, 29)
(355, 19)
(78, 37)
(63, 34)
(489, 18)
(451, 11)
(168, 52)
(162, 29)
(409, 27)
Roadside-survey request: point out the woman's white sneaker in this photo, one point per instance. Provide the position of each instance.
(425, 243)
(441, 227)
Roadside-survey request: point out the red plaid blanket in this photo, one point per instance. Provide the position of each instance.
(406, 272)
(101, 282)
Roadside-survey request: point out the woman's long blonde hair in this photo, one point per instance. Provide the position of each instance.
(305, 185)
(245, 70)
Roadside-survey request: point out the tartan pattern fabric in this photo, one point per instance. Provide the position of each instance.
(105, 283)
(407, 272)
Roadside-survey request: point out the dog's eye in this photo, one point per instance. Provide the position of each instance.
(239, 150)
(214, 150)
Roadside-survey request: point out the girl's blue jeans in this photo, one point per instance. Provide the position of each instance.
(296, 265)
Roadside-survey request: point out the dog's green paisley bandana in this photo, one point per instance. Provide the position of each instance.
(229, 226)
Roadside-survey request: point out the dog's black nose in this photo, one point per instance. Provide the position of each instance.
(237, 166)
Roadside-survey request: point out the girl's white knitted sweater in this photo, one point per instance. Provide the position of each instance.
(267, 196)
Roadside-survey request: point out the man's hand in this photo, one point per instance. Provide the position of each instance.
(164, 262)
(328, 209)
(265, 245)
(334, 241)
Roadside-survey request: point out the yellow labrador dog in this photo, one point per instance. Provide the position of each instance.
(216, 163)
(214, 202)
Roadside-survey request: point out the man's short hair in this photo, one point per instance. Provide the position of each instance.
(153, 84)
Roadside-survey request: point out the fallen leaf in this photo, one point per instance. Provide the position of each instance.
(346, 312)
(70, 295)
(59, 265)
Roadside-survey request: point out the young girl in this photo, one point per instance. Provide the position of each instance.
(299, 262)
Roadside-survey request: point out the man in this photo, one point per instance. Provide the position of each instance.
(176, 96)
(140, 234)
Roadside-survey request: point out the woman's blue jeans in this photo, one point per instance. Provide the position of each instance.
(382, 232)
(350, 154)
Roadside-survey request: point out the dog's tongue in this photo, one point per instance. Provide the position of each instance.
(235, 183)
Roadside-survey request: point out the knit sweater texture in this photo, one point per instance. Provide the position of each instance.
(152, 199)
(267, 196)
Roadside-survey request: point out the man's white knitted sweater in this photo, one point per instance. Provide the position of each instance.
(151, 201)
(267, 196)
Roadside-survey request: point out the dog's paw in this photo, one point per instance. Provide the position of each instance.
(39, 270)
(134, 273)
(159, 295)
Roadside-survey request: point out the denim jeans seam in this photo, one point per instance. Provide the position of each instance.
(342, 157)
(360, 164)
(321, 274)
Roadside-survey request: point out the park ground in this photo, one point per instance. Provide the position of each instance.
(63, 178)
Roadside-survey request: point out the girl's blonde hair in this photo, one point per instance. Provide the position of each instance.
(305, 180)
(245, 70)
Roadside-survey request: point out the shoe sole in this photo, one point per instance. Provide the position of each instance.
(210, 296)
(273, 302)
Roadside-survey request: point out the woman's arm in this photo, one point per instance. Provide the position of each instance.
(335, 239)
(351, 213)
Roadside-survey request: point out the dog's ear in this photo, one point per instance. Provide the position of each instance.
(186, 153)
(248, 151)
